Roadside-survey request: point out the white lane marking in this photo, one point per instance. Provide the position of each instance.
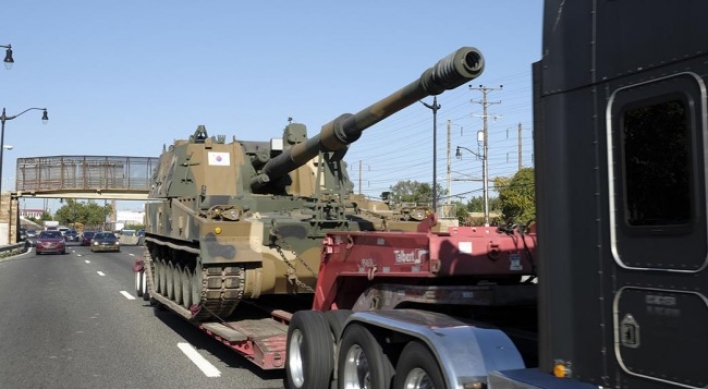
(100, 273)
(87, 261)
(127, 295)
(132, 255)
(207, 368)
(78, 255)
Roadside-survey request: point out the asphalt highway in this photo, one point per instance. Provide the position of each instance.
(73, 321)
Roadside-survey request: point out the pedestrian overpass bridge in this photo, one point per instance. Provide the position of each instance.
(75, 177)
(84, 177)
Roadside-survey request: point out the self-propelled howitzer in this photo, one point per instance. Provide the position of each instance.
(452, 71)
(245, 219)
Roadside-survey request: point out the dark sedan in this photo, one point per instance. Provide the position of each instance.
(71, 236)
(31, 237)
(50, 242)
(86, 237)
(104, 241)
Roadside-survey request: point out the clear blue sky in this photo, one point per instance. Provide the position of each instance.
(125, 77)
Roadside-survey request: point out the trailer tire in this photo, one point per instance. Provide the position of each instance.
(417, 368)
(336, 321)
(143, 284)
(146, 290)
(359, 350)
(309, 361)
(139, 279)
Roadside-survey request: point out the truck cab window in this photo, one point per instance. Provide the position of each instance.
(657, 168)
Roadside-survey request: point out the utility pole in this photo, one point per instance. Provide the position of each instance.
(435, 107)
(360, 176)
(449, 169)
(485, 90)
(520, 164)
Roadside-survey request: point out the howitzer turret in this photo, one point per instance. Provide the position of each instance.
(452, 71)
(245, 219)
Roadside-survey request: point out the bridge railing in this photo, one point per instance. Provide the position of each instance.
(84, 173)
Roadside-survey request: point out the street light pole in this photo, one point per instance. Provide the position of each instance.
(458, 154)
(3, 119)
(435, 107)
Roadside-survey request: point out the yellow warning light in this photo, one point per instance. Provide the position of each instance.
(217, 230)
(559, 371)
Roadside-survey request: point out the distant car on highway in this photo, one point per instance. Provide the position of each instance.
(31, 237)
(86, 237)
(71, 236)
(50, 242)
(104, 241)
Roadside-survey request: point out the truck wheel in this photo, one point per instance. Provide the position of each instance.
(146, 292)
(417, 369)
(139, 279)
(362, 362)
(143, 284)
(336, 320)
(309, 361)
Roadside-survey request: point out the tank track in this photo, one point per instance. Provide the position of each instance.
(221, 286)
(222, 290)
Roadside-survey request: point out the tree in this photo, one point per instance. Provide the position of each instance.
(87, 214)
(407, 191)
(476, 204)
(45, 216)
(69, 213)
(517, 196)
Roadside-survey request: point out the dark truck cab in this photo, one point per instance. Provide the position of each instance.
(620, 156)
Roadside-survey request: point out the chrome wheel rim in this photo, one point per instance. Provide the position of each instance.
(356, 374)
(295, 358)
(417, 378)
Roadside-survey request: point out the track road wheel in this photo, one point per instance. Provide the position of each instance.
(139, 280)
(362, 362)
(177, 283)
(169, 281)
(196, 284)
(417, 369)
(186, 287)
(156, 276)
(162, 275)
(309, 361)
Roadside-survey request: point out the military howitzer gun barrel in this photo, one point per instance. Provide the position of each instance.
(461, 66)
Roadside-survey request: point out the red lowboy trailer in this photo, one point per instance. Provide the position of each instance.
(391, 289)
